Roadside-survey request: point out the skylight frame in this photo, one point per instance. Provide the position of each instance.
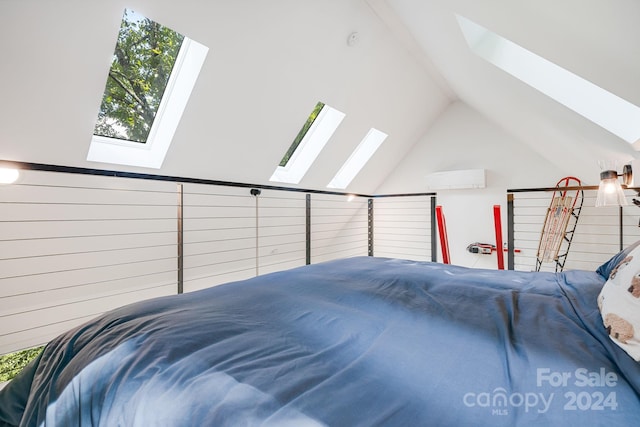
(358, 159)
(319, 133)
(303, 131)
(603, 108)
(151, 154)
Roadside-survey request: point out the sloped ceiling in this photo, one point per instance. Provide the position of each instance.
(270, 62)
(599, 41)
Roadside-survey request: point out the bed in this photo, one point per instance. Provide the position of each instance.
(361, 341)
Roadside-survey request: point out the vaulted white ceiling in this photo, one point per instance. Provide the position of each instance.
(599, 41)
(270, 62)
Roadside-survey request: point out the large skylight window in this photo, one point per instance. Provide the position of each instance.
(607, 110)
(152, 74)
(315, 133)
(358, 159)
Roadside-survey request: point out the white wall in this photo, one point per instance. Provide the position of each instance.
(73, 246)
(464, 139)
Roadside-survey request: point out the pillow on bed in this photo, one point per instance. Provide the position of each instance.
(605, 269)
(619, 303)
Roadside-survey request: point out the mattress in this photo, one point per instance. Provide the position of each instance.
(361, 341)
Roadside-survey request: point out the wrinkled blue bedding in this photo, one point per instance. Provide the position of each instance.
(355, 342)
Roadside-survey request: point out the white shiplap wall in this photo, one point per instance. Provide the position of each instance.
(281, 230)
(402, 227)
(73, 247)
(219, 235)
(596, 237)
(231, 235)
(339, 227)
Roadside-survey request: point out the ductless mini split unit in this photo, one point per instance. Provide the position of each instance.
(456, 180)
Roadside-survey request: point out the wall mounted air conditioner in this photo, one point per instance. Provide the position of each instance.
(456, 180)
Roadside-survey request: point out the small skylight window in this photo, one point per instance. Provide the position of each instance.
(152, 74)
(315, 133)
(358, 159)
(605, 109)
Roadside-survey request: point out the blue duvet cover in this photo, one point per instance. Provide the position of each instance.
(355, 342)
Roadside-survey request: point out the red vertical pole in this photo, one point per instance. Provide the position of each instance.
(444, 240)
(498, 225)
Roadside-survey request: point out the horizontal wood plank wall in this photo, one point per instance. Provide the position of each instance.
(597, 236)
(73, 247)
(281, 230)
(339, 227)
(219, 235)
(402, 227)
(75, 243)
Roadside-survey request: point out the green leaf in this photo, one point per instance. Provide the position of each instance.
(11, 364)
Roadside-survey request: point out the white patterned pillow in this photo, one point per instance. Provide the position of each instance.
(619, 304)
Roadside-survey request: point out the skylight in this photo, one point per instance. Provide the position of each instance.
(605, 109)
(358, 159)
(315, 133)
(152, 74)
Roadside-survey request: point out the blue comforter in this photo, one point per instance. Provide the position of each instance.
(355, 342)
